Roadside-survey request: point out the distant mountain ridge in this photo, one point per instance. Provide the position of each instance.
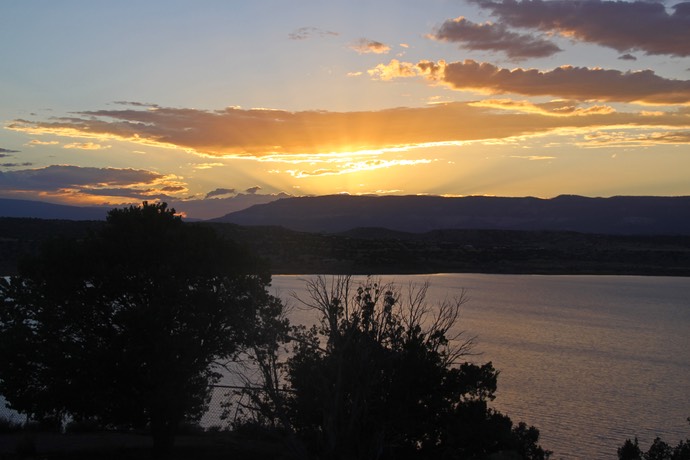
(191, 209)
(41, 210)
(623, 215)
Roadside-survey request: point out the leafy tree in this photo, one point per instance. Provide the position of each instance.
(129, 326)
(383, 375)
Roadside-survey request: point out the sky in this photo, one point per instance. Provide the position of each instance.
(206, 102)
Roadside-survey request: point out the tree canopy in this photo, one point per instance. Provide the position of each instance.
(129, 325)
(384, 375)
(658, 450)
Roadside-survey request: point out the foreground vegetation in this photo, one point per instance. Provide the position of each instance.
(125, 325)
(366, 251)
(128, 326)
(658, 450)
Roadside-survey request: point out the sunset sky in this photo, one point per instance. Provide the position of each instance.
(113, 102)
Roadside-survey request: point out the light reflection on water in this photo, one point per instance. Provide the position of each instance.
(589, 360)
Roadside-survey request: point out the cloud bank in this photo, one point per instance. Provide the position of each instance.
(621, 25)
(293, 137)
(580, 83)
(494, 37)
(81, 182)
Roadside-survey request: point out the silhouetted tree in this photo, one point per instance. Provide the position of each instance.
(130, 325)
(383, 375)
(630, 450)
(658, 450)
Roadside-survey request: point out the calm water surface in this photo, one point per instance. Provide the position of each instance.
(589, 360)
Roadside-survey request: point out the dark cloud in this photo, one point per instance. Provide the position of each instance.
(127, 193)
(15, 165)
(494, 37)
(366, 46)
(253, 190)
(60, 177)
(579, 83)
(621, 25)
(220, 192)
(5, 152)
(136, 104)
(304, 33)
(173, 188)
(627, 57)
(571, 82)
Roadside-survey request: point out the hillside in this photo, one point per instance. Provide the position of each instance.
(382, 251)
(379, 251)
(338, 213)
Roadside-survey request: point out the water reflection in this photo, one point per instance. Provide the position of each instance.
(590, 360)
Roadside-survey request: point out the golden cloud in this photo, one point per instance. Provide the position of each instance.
(37, 142)
(626, 139)
(558, 108)
(85, 146)
(354, 167)
(277, 135)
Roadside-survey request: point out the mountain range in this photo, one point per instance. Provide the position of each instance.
(621, 215)
(197, 209)
(43, 210)
(364, 235)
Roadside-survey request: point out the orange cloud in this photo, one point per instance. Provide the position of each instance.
(85, 146)
(624, 139)
(37, 142)
(395, 69)
(277, 135)
(555, 108)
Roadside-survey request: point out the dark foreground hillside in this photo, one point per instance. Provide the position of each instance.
(130, 446)
(368, 251)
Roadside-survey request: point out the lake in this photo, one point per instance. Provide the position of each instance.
(589, 360)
